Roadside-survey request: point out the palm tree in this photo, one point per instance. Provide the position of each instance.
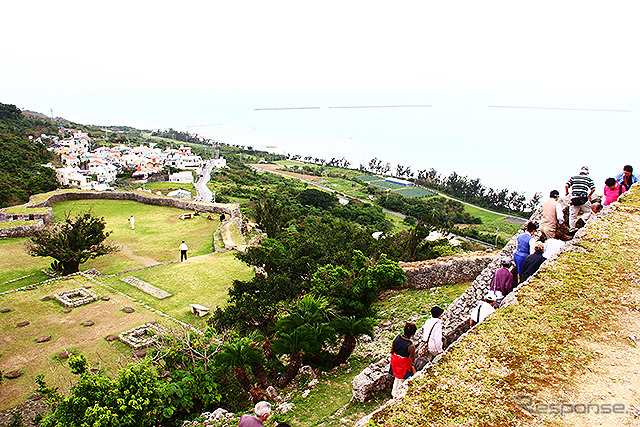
(239, 355)
(350, 329)
(293, 344)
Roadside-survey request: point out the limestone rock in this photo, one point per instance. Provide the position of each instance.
(43, 338)
(12, 375)
(128, 310)
(111, 337)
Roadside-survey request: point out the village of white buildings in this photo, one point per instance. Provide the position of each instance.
(97, 169)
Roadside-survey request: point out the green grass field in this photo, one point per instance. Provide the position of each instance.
(204, 279)
(19, 351)
(156, 238)
(491, 221)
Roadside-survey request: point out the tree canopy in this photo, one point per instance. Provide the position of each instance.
(71, 242)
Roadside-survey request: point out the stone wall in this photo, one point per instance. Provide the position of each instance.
(455, 319)
(232, 209)
(21, 230)
(446, 270)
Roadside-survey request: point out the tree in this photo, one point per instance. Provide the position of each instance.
(239, 355)
(350, 329)
(132, 399)
(71, 242)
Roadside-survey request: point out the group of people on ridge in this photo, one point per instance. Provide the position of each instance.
(557, 225)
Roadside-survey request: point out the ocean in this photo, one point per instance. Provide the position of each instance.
(523, 140)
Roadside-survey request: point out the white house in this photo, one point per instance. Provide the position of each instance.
(220, 163)
(73, 177)
(184, 177)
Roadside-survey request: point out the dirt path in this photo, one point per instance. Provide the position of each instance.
(144, 260)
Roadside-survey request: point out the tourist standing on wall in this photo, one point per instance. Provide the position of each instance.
(522, 249)
(582, 187)
(183, 251)
(552, 215)
(627, 178)
(403, 354)
(432, 334)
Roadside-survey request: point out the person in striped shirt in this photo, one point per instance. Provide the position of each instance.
(582, 187)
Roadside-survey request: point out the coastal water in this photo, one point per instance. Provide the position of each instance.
(469, 131)
(524, 149)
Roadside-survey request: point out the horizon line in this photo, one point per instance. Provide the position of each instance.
(341, 106)
(560, 108)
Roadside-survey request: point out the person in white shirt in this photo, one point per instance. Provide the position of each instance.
(183, 251)
(483, 310)
(432, 334)
(132, 221)
(552, 246)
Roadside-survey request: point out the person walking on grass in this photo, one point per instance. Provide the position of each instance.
(132, 221)
(183, 251)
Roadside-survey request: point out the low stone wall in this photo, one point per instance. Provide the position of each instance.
(446, 270)
(21, 230)
(232, 209)
(455, 319)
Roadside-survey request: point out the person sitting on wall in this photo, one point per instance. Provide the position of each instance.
(595, 208)
(533, 262)
(523, 250)
(403, 354)
(432, 334)
(612, 190)
(627, 178)
(502, 281)
(553, 246)
(484, 309)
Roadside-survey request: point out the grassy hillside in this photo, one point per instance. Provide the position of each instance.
(529, 350)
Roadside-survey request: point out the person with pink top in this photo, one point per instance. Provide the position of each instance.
(612, 190)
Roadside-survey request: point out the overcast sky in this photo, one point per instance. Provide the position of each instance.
(52, 47)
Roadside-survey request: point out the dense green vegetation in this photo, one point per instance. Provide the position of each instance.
(21, 159)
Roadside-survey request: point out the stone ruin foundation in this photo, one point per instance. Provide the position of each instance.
(76, 297)
(142, 336)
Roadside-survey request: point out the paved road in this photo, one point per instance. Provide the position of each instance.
(204, 193)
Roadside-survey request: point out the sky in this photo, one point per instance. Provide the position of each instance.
(53, 48)
(150, 64)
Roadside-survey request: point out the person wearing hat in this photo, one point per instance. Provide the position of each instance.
(582, 187)
(484, 309)
(552, 215)
(502, 281)
(432, 334)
